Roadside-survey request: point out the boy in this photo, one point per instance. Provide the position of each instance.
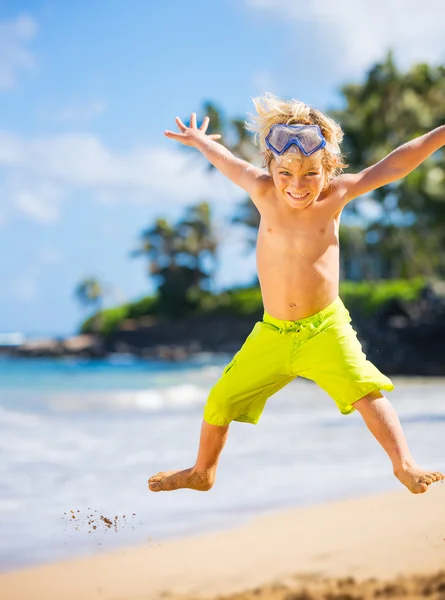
(306, 328)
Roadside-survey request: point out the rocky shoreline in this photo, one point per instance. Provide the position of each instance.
(402, 338)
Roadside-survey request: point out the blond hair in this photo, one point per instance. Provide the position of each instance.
(272, 110)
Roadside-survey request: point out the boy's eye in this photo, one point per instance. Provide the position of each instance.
(308, 173)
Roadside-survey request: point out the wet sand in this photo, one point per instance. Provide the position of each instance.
(327, 551)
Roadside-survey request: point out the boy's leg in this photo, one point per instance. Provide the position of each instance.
(384, 424)
(201, 476)
(334, 359)
(256, 372)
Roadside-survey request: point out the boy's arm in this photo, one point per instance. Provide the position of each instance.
(248, 177)
(243, 174)
(395, 166)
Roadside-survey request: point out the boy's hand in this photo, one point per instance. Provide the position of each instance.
(191, 135)
(248, 177)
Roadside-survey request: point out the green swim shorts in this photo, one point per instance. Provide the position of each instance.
(323, 348)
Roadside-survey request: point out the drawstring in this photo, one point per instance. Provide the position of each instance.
(290, 330)
(297, 328)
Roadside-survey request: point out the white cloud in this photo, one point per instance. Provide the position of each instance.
(352, 34)
(38, 203)
(75, 113)
(36, 198)
(38, 173)
(15, 35)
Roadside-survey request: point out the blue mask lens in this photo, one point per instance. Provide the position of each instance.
(308, 138)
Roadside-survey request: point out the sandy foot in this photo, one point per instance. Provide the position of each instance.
(417, 480)
(174, 480)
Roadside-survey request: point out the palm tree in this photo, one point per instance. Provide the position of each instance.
(90, 293)
(199, 244)
(388, 109)
(182, 258)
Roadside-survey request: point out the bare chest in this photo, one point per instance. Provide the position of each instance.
(306, 241)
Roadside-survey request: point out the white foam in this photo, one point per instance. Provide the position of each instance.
(15, 417)
(168, 398)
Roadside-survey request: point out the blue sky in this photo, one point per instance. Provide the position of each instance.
(87, 90)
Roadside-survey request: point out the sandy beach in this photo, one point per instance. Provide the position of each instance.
(318, 548)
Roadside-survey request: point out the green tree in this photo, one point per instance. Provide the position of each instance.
(386, 110)
(90, 293)
(198, 248)
(182, 258)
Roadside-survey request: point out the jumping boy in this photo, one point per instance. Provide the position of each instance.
(306, 328)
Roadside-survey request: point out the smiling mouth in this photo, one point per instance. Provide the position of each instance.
(298, 196)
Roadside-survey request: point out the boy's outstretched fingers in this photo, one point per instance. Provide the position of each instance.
(190, 135)
(205, 124)
(180, 124)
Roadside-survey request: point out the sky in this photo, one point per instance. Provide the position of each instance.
(87, 90)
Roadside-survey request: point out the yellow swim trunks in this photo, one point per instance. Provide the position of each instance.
(323, 348)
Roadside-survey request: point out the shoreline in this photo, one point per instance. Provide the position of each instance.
(380, 536)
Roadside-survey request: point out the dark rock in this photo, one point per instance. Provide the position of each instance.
(87, 346)
(208, 333)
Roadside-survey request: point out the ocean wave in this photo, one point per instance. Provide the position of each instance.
(15, 417)
(176, 397)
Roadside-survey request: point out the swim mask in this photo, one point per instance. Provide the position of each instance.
(307, 138)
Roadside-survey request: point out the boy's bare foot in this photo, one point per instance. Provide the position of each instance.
(174, 480)
(417, 480)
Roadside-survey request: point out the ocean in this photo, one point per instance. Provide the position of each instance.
(79, 439)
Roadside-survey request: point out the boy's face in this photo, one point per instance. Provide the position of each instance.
(298, 179)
